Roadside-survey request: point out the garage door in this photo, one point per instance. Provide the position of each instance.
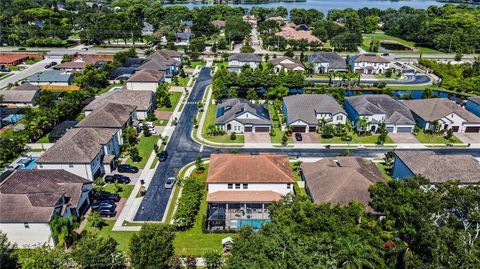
(472, 130)
(248, 129)
(312, 129)
(390, 129)
(404, 129)
(262, 129)
(299, 129)
(455, 129)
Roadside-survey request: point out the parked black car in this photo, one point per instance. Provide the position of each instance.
(117, 178)
(298, 136)
(107, 212)
(162, 156)
(126, 168)
(103, 195)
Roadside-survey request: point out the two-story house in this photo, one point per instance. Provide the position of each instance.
(324, 62)
(441, 114)
(305, 112)
(287, 64)
(240, 116)
(30, 199)
(368, 111)
(242, 186)
(369, 64)
(167, 61)
(237, 61)
(145, 80)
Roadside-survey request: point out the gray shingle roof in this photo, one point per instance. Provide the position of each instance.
(245, 57)
(437, 108)
(305, 107)
(441, 168)
(32, 195)
(51, 76)
(369, 104)
(147, 75)
(475, 99)
(230, 109)
(26, 87)
(18, 96)
(334, 60)
(141, 99)
(111, 115)
(79, 145)
(288, 65)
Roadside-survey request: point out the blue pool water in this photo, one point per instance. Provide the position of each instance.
(28, 164)
(254, 223)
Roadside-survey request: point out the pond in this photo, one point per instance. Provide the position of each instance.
(326, 5)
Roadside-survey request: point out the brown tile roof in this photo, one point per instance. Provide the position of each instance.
(79, 145)
(141, 99)
(10, 58)
(437, 108)
(243, 196)
(291, 33)
(111, 115)
(341, 182)
(147, 75)
(245, 168)
(32, 195)
(218, 23)
(441, 168)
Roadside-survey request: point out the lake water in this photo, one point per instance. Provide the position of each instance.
(326, 5)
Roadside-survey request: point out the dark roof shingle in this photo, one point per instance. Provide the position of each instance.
(305, 107)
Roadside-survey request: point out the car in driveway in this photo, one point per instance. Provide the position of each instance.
(126, 168)
(104, 195)
(162, 156)
(105, 212)
(298, 137)
(117, 178)
(102, 205)
(170, 182)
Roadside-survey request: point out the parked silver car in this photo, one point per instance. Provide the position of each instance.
(170, 182)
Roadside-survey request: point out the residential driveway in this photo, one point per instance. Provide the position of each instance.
(307, 138)
(163, 115)
(469, 138)
(134, 177)
(257, 138)
(403, 138)
(119, 208)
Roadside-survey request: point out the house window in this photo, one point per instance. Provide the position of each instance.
(230, 186)
(26, 225)
(70, 165)
(289, 186)
(339, 117)
(41, 165)
(245, 186)
(237, 186)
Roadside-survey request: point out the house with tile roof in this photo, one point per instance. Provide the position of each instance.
(86, 152)
(242, 186)
(473, 105)
(145, 80)
(290, 33)
(443, 114)
(325, 62)
(31, 198)
(304, 111)
(286, 63)
(80, 61)
(23, 95)
(237, 61)
(369, 64)
(437, 168)
(341, 181)
(377, 109)
(241, 116)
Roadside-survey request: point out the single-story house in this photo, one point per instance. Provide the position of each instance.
(12, 58)
(287, 64)
(22, 95)
(290, 33)
(31, 198)
(241, 116)
(242, 186)
(473, 105)
(369, 63)
(325, 62)
(86, 152)
(305, 112)
(143, 101)
(218, 23)
(79, 62)
(447, 114)
(341, 181)
(437, 168)
(51, 77)
(145, 80)
(376, 109)
(237, 61)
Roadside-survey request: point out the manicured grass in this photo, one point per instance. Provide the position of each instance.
(221, 64)
(174, 99)
(296, 176)
(145, 148)
(158, 122)
(109, 87)
(5, 75)
(356, 139)
(380, 36)
(209, 120)
(277, 132)
(32, 61)
(194, 64)
(436, 139)
(44, 139)
(383, 168)
(183, 81)
(122, 238)
(125, 192)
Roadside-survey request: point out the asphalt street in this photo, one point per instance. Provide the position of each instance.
(183, 150)
(28, 71)
(410, 80)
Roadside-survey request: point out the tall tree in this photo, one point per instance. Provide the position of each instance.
(96, 251)
(152, 247)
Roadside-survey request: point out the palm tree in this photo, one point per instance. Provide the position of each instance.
(355, 254)
(322, 121)
(362, 124)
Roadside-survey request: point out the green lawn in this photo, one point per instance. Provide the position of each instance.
(297, 177)
(44, 139)
(5, 75)
(380, 36)
(145, 148)
(209, 120)
(158, 122)
(125, 192)
(183, 81)
(436, 139)
(221, 64)
(194, 64)
(356, 139)
(277, 132)
(122, 238)
(174, 99)
(383, 168)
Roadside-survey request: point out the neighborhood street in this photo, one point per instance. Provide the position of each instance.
(183, 150)
(28, 71)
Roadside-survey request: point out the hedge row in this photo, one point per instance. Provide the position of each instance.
(189, 203)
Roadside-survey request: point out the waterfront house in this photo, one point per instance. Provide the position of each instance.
(369, 64)
(324, 62)
(473, 105)
(286, 63)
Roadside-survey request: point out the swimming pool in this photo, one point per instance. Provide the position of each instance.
(254, 223)
(27, 164)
